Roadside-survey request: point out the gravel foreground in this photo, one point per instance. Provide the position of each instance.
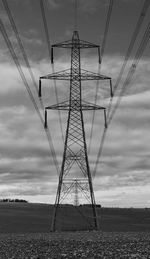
(89, 245)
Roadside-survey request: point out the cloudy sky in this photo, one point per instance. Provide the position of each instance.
(26, 165)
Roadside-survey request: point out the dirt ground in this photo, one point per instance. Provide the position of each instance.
(73, 245)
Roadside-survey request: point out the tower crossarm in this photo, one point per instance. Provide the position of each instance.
(67, 75)
(82, 44)
(77, 43)
(88, 75)
(85, 75)
(85, 106)
(61, 75)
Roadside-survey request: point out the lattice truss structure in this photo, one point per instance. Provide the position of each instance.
(79, 187)
(75, 176)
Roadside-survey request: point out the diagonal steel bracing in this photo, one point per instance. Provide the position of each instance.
(75, 164)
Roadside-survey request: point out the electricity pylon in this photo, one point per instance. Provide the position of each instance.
(75, 164)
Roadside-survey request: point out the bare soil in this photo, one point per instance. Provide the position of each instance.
(73, 245)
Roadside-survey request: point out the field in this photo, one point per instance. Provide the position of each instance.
(75, 245)
(24, 228)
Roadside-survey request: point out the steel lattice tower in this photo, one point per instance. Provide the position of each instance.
(75, 148)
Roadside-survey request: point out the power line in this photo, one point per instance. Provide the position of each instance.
(106, 27)
(130, 48)
(131, 45)
(13, 54)
(45, 28)
(57, 100)
(132, 70)
(5, 3)
(93, 117)
(110, 7)
(99, 152)
(130, 74)
(19, 41)
(49, 52)
(28, 66)
(15, 59)
(133, 39)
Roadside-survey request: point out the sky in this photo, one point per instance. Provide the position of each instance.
(27, 170)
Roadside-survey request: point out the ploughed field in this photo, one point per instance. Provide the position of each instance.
(75, 245)
(25, 233)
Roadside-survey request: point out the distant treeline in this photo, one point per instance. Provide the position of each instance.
(81, 205)
(12, 200)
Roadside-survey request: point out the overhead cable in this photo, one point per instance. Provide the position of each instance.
(131, 45)
(49, 52)
(109, 13)
(132, 70)
(138, 55)
(5, 3)
(15, 59)
(106, 27)
(130, 48)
